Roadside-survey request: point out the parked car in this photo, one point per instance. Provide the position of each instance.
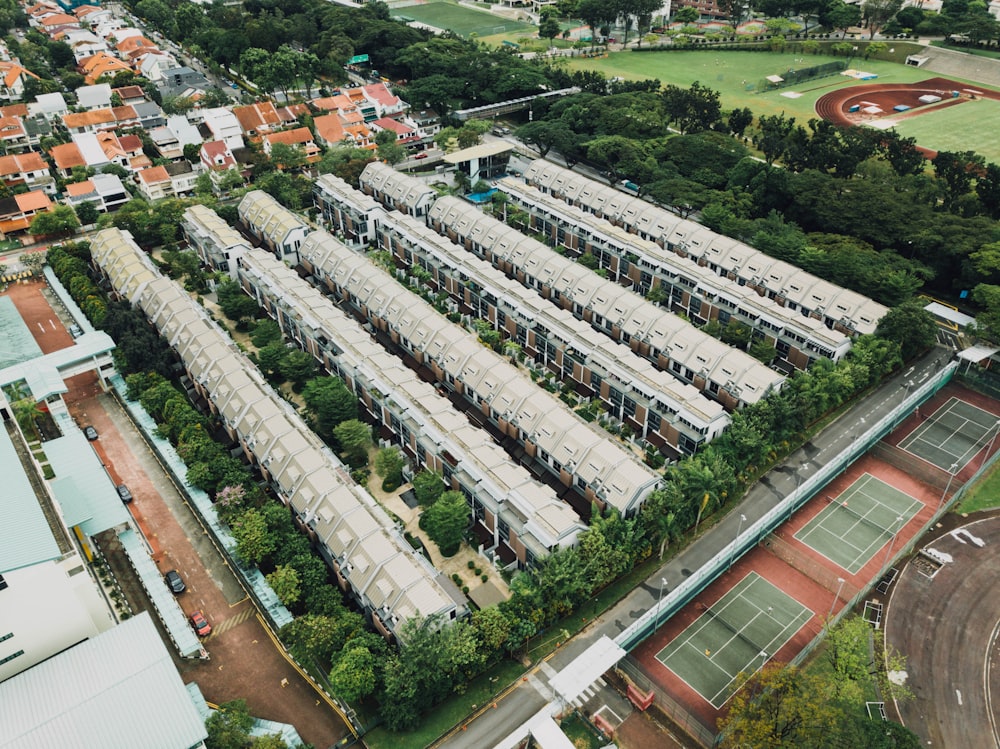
(124, 493)
(421, 155)
(74, 330)
(201, 626)
(90, 433)
(175, 582)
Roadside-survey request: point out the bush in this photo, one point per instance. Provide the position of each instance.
(390, 484)
(484, 577)
(470, 564)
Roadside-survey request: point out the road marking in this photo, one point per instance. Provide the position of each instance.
(958, 693)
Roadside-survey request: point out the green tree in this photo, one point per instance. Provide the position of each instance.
(353, 676)
(229, 726)
(389, 463)
(254, 540)
(877, 13)
(354, 438)
(686, 15)
(284, 581)
(777, 707)
(298, 367)
(329, 403)
(234, 302)
(265, 332)
(909, 325)
(87, 213)
(60, 221)
(428, 486)
(288, 157)
(548, 26)
(271, 359)
(445, 522)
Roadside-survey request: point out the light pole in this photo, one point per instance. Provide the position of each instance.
(656, 616)
(989, 447)
(951, 475)
(836, 599)
(732, 552)
(857, 433)
(892, 541)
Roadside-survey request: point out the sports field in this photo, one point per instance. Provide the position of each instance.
(730, 73)
(463, 21)
(971, 125)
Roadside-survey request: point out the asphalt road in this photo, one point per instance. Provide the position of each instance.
(947, 626)
(525, 699)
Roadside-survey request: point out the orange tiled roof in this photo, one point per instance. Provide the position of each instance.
(12, 71)
(11, 127)
(14, 110)
(154, 174)
(80, 188)
(140, 162)
(254, 116)
(88, 118)
(58, 19)
(132, 42)
(329, 128)
(298, 136)
(36, 200)
(67, 156)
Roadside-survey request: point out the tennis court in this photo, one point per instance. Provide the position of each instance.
(463, 21)
(952, 436)
(734, 636)
(858, 522)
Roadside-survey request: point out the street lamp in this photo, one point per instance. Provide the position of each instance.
(836, 599)
(892, 541)
(857, 433)
(656, 616)
(732, 552)
(951, 475)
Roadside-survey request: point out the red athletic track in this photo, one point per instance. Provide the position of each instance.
(834, 106)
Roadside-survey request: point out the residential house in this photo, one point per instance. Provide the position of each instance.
(178, 80)
(154, 183)
(36, 127)
(92, 150)
(153, 64)
(48, 23)
(26, 169)
(280, 230)
(119, 149)
(387, 104)
(101, 64)
(96, 120)
(332, 130)
(223, 125)
(97, 96)
(13, 136)
(216, 156)
(13, 76)
(405, 135)
(257, 119)
(130, 94)
(365, 106)
(91, 15)
(426, 122)
(125, 46)
(166, 143)
(150, 115)
(105, 191)
(84, 43)
(49, 106)
(300, 137)
(65, 157)
(16, 213)
(183, 177)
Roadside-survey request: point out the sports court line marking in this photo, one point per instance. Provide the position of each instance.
(955, 417)
(786, 615)
(824, 541)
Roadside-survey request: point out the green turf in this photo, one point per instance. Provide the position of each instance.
(463, 21)
(969, 125)
(730, 72)
(984, 494)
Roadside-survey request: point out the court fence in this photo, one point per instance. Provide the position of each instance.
(758, 530)
(631, 671)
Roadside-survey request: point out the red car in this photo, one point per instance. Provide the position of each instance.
(201, 626)
(420, 156)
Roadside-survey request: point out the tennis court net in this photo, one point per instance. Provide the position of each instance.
(844, 506)
(738, 631)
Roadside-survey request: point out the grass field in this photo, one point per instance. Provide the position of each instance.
(971, 124)
(463, 21)
(729, 73)
(984, 494)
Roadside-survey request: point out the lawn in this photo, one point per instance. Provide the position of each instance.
(730, 72)
(984, 494)
(461, 20)
(969, 125)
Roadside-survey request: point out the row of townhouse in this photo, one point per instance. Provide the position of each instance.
(278, 229)
(370, 557)
(654, 405)
(730, 376)
(517, 519)
(581, 456)
(836, 307)
(693, 290)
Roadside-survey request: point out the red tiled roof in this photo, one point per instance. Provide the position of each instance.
(67, 156)
(154, 174)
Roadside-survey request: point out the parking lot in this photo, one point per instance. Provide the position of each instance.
(244, 662)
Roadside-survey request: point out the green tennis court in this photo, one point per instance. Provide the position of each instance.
(734, 636)
(461, 20)
(857, 523)
(953, 435)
